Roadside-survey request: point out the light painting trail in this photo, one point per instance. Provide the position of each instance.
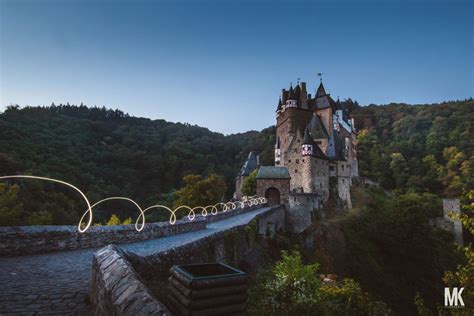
(213, 209)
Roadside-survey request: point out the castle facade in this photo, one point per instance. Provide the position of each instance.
(316, 142)
(315, 155)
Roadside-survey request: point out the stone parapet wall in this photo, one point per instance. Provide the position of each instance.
(116, 288)
(144, 276)
(25, 240)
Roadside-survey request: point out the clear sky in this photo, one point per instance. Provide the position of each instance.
(222, 64)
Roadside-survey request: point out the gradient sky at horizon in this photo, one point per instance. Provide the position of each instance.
(222, 64)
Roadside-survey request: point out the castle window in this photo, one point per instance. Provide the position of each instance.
(296, 170)
(296, 150)
(294, 198)
(331, 168)
(343, 167)
(289, 160)
(321, 185)
(297, 161)
(303, 160)
(318, 142)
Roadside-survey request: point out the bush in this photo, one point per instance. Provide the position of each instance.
(293, 288)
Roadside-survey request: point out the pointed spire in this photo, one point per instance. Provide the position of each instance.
(291, 93)
(307, 140)
(321, 91)
(279, 104)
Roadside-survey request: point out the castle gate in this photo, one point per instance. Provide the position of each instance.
(273, 196)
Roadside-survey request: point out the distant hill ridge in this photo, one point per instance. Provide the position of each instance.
(107, 152)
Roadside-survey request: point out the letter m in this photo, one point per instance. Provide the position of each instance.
(454, 298)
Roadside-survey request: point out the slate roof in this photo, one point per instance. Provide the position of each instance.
(279, 105)
(316, 128)
(335, 150)
(271, 172)
(249, 165)
(321, 91)
(291, 94)
(307, 138)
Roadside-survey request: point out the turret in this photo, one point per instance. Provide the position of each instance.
(292, 101)
(277, 151)
(307, 148)
(279, 107)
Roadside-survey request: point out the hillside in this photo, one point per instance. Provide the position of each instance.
(419, 148)
(108, 153)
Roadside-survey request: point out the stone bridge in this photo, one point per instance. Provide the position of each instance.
(59, 282)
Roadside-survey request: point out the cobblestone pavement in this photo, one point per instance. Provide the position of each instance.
(58, 283)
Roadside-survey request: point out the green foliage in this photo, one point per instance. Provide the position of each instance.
(108, 153)
(249, 186)
(127, 221)
(423, 148)
(114, 220)
(293, 288)
(463, 276)
(10, 208)
(396, 254)
(198, 191)
(40, 218)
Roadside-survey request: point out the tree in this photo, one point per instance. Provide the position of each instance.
(11, 209)
(249, 186)
(464, 274)
(201, 192)
(114, 220)
(40, 218)
(293, 288)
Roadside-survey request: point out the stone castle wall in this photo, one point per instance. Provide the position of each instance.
(117, 289)
(300, 210)
(453, 206)
(127, 284)
(26, 240)
(283, 186)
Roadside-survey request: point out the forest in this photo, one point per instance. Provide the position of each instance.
(417, 153)
(104, 152)
(108, 153)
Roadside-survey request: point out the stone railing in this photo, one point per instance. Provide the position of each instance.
(116, 289)
(234, 245)
(25, 240)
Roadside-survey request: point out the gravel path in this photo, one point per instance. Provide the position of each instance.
(58, 283)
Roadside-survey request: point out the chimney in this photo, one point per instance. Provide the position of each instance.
(258, 161)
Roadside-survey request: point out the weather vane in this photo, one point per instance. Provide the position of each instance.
(320, 75)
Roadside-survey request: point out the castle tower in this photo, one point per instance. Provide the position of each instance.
(291, 121)
(277, 151)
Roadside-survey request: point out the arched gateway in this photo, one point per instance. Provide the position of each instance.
(273, 196)
(274, 184)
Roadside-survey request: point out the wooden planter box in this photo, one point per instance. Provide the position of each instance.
(208, 289)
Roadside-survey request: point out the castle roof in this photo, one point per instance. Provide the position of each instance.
(249, 165)
(324, 102)
(335, 149)
(317, 128)
(321, 91)
(291, 93)
(307, 140)
(271, 172)
(279, 104)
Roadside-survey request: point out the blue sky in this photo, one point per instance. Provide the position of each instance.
(222, 64)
